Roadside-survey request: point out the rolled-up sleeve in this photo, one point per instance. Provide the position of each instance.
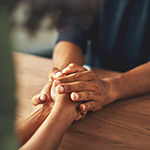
(75, 31)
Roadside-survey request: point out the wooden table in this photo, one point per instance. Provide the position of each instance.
(122, 125)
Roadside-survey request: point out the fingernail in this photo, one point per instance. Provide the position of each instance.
(65, 70)
(56, 82)
(60, 89)
(83, 107)
(58, 74)
(76, 96)
(42, 97)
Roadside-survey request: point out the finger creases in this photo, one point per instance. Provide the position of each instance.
(82, 96)
(75, 87)
(91, 106)
(79, 76)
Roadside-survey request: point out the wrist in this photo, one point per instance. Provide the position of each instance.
(66, 107)
(113, 84)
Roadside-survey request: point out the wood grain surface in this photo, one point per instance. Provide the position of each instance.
(122, 125)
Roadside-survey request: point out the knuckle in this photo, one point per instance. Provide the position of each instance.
(79, 96)
(96, 108)
(76, 76)
(96, 86)
(92, 106)
(63, 80)
(91, 74)
(99, 106)
(67, 88)
(82, 85)
(88, 95)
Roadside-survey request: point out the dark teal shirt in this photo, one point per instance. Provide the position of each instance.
(119, 35)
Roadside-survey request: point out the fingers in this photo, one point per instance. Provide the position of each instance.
(81, 116)
(38, 99)
(54, 73)
(84, 114)
(72, 68)
(78, 117)
(90, 106)
(43, 96)
(75, 86)
(82, 96)
(45, 93)
(81, 76)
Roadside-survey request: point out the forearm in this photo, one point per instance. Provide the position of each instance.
(50, 133)
(132, 83)
(66, 53)
(27, 125)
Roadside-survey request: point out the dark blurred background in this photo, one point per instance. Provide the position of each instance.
(35, 22)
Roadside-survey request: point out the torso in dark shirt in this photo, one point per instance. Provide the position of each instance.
(120, 34)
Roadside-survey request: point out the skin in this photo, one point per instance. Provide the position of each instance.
(26, 126)
(64, 54)
(87, 86)
(71, 81)
(50, 133)
(61, 59)
(100, 92)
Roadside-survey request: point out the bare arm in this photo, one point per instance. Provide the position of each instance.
(87, 86)
(132, 83)
(66, 53)
(29, 121)
(50, 133)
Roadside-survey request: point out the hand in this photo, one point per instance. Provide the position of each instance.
(84, 86)
(44, 95)
(64, 103)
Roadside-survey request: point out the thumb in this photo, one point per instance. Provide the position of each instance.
(38, 99)
(43, 96)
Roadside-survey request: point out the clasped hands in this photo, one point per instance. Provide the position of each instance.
(77, 84)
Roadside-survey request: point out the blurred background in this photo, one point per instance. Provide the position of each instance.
(40, 43)
(35, 22)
